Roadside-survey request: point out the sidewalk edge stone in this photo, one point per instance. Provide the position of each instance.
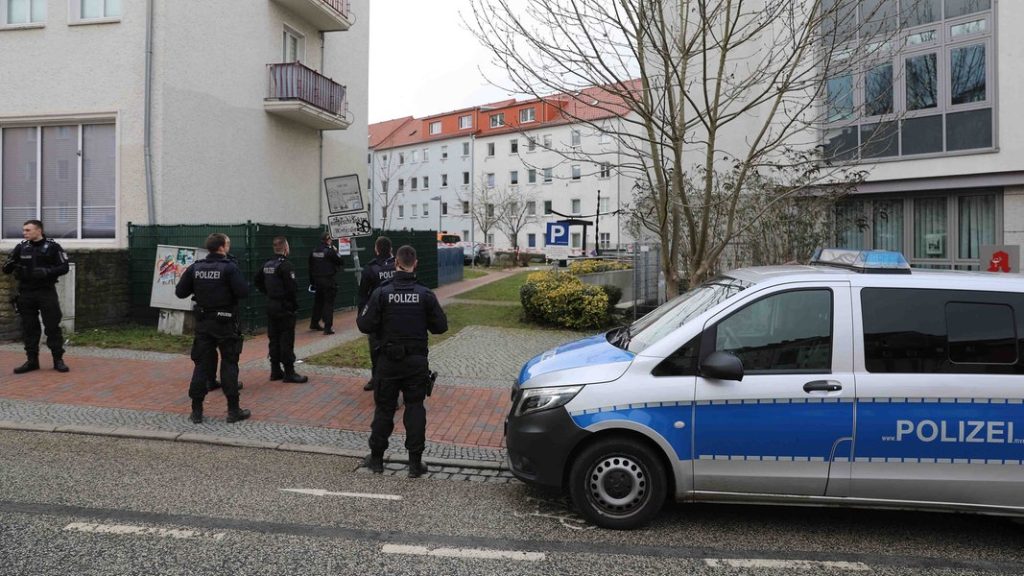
(26, 426)
(226, 441)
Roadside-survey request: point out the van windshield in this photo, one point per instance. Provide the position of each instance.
(680, 310)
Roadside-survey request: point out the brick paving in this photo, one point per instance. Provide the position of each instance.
(146, 390)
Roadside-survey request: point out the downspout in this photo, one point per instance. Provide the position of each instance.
(320, 179)
(148, 120)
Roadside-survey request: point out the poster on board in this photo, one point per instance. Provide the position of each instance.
(171, 262)
(343, 194)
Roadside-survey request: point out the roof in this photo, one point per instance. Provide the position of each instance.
(918, 278)
(382, 132)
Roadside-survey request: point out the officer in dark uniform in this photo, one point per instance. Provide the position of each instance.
(380, 270)
(218, 285)
(276, 279)
(37, 262)
(324, 264)
(401, 312)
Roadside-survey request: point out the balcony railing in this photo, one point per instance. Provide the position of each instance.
(292, 82)
(325, 15)
(340, 6)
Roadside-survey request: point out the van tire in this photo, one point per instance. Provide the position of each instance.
(618, 483)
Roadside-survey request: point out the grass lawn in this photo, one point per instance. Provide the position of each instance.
(133, 337)
(473, 273)
(356, 353)
(505, 290)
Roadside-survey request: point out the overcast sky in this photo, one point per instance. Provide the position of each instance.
(423, 61)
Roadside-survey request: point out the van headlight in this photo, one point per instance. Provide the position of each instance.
(537, 399)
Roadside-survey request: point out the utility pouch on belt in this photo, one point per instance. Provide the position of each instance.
(394, 352)
(431, 378)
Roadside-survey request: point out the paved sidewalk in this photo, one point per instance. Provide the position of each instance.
(144, 394)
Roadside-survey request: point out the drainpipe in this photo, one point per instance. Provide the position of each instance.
(320, 179)
(148, 120)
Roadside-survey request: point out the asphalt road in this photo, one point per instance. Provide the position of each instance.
(88, 505)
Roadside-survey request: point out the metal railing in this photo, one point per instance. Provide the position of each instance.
(293, 81)
(340, 6)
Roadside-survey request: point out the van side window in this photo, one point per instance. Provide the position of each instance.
(787, 332)
(682, 362)
(915, 331)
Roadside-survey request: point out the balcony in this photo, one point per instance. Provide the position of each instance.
(326, 15)
(301, 94)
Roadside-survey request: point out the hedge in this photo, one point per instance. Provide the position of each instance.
(563, 300)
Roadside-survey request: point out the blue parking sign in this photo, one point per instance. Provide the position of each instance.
(557, 234)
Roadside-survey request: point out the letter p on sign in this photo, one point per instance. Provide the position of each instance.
(557, 234)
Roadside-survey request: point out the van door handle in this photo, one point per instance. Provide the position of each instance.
(822, 386)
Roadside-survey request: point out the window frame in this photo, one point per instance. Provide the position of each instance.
(527, 115)
(434, 128)
(75, 17)
(32, 21)
(497, 120)
(466, 122)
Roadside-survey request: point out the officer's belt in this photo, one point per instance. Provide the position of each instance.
(410, 349)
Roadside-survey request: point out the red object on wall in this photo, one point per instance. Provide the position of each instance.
(1000, 262)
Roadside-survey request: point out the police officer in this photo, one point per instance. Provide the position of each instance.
(401, 312)
(37, 262)
(324, 264)
(218, 285)
(276, 279)
(380, 270)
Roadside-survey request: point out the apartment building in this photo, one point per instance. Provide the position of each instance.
(543, 160)
(176, 111)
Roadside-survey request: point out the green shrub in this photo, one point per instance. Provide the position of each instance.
(580, 267)
(563, 300)
(614, 294)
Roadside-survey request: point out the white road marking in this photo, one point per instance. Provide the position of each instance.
(318, 492)
(128, 530)
(471, 553)
(784, 564)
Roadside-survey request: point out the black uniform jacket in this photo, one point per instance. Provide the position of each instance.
(402, 311)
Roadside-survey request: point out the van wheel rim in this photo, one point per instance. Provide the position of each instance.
(618, 485)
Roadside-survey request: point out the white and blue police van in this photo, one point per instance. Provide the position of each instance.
(852, 381)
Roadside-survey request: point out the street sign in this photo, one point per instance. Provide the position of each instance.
(348, 225)
(557, 234)
(343, 194)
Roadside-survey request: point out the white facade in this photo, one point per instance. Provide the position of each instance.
(221, 152)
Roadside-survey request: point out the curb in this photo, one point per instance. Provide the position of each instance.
(208, 439)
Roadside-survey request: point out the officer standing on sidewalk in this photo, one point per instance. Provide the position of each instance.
(37, 262)
(380, 270)
(324, 263)
(401, 312)
(276, 279)
(218, 285)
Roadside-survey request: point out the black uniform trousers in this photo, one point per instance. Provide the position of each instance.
(281, 332)
(375, 349)
(215, 334)
(30, 304)
(408, 376)
(323, 301)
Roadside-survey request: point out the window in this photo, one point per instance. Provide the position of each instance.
(513, 146)
(547, 176)
(426, 182)
(435, 127)
(490, 148)
(465, 234)
(426, 154)
(606, 169)
(605, 137)
(547, 141)
(401, 158)
(444, 180)
(531, 240)
(575, 171)
(401, 211)
(444, 152)
(15, 12)
(490, 238)
(426, 209)
(941, 331)
(527, 115)
(531, 208)
(294, 45)
(531, 176)
(414, 156)
(576, 205)
(384, 186)
(547, 207)
(95, 9)
(489, 210)
(603, 205)
(444, 208)
(414, 182)
(401, 184)
(531, 144)
(513, 177)
(497, 120)
(606, 240)
(68, 180)
(465, 208)
(465, 178)
(465, 122)
(575, 138)
(490, 179)
(576, 240)
(383, 212)
(787, 332)
(413, 208)
(465, 148)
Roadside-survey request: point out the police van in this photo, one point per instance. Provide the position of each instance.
(852, 381)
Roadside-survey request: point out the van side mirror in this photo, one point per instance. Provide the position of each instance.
(722, 366)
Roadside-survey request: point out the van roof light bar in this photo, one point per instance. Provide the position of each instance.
(863, 261)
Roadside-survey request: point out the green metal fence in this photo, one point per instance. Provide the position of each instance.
(251, 245)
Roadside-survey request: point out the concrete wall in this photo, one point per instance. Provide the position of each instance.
(621, 278)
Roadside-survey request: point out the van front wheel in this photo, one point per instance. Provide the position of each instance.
(618, 484)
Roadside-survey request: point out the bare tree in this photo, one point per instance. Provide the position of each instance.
(712, 100)
(513, 211)
(483, 208)
(381, 172)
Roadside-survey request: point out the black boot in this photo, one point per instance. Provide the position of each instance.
(196, 417)
(416, 466)
(293, 377)
(375, 462)
(369, 384)
(275, 371)
(58, 363)
(235, 413)
(31, 364)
